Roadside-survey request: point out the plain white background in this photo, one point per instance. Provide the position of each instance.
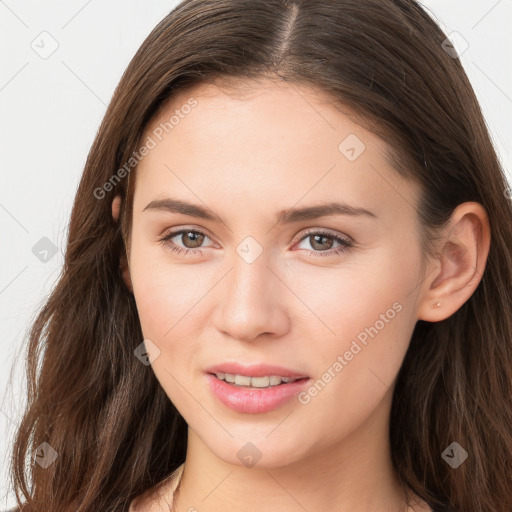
(51, 108)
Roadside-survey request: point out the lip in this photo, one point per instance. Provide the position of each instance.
(253, 400)
(255, 370)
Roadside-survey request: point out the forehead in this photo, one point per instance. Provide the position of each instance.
(266, 141)
(273, 104)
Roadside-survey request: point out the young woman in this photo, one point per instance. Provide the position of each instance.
(287, 284)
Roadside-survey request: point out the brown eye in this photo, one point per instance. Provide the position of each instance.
(188, 242)
(319, 242)
(194, 238)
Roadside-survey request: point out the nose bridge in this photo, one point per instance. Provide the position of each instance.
(249, 284)
(251, 298)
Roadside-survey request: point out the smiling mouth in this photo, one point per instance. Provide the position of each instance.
(245, 381)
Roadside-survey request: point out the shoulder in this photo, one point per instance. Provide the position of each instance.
(149, 501)
(161, 496)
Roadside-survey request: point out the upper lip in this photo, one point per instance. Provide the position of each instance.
(255, 370)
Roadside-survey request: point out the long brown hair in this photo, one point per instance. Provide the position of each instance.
(104, 413)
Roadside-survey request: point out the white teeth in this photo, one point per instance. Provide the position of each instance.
(256, 382)
(261, 382)
(241, 380)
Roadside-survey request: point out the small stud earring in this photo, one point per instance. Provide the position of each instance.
(436, 305)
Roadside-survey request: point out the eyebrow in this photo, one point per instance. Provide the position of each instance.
(283, 217)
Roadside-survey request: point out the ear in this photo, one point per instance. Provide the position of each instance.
(459, 265)
(123, 263)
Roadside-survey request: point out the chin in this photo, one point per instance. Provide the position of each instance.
(260, 453)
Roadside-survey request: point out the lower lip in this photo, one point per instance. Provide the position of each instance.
(254, 400)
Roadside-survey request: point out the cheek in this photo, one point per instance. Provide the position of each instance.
(365, 321)
(164, 292)
(355, 295)
(168, 301)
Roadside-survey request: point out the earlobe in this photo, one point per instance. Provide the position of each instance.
(116, 207)
(460, 264)
(123, 262)
(125, 272)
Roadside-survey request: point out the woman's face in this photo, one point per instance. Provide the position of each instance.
(261, 287)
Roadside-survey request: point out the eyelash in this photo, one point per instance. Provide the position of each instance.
(345, 244)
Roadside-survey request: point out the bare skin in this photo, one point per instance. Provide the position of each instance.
(247, 157)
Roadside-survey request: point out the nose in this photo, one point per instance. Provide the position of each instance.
(252, 301)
